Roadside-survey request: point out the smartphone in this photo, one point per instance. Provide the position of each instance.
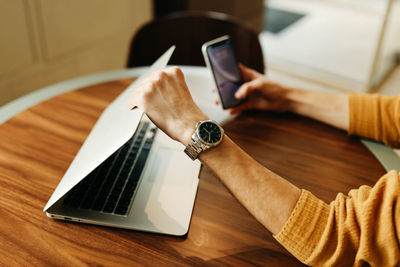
(221, 60)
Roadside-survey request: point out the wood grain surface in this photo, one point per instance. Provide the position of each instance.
(38, 145)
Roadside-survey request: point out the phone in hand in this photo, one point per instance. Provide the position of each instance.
(220, 58)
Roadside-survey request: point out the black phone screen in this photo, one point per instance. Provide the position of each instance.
(226, 72)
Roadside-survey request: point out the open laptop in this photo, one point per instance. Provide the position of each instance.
(128, 174)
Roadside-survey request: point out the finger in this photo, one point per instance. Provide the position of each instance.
(213, 90)
(247, 73)
(242, 107)
(174, 75)
(238, 109)
(243, 90)
(233, 111)
(174, 71)
(248, 88)
(216, 101)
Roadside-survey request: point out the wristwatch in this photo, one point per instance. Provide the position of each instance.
(208, 134)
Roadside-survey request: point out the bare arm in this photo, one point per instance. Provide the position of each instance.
(332, 109)
(267, 196)
(264, 94)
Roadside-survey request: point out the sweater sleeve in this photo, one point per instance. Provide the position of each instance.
(363, 227)
(375, 117)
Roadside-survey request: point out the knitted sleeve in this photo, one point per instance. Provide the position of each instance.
(363, 227)
(375, 117)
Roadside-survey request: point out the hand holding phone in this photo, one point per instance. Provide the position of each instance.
(221, 59)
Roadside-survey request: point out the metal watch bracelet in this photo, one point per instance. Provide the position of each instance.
(193, 149)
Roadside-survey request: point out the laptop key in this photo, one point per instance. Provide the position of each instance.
(125, 201)
(146, 146)
(99, 203)
(76, 201)
(113, 198)
(109, 207)
(144, 128)
(87, 203)
(70, 196)
(97, 206)
(121, 210)
(130, 185)
(128, 192)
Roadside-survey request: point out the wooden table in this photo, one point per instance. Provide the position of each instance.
(38, 145)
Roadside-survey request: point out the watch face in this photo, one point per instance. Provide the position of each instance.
(210, 132)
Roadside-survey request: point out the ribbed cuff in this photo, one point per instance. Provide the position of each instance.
(305, 226)
(363, 115)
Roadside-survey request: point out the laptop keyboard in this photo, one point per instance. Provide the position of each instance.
(111, 186)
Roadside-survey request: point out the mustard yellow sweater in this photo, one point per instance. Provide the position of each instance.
(363, 227)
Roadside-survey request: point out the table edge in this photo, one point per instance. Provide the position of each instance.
(384, 154)
(18, 105)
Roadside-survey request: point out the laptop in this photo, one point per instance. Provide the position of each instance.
(129, 174)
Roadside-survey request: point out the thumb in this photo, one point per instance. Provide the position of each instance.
(247, 88)
(247, 73)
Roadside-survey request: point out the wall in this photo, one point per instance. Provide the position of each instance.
(43, 42)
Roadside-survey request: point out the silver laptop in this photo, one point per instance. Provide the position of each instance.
(128, 174)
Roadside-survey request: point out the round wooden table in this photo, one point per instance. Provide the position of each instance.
(38, 144)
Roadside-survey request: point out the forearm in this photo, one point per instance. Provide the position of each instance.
(332, 109)
(267, 196)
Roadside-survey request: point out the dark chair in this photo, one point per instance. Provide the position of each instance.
(188, 31)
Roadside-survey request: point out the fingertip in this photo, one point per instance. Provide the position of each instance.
(233, 111)
(244, 68)
(240, 92)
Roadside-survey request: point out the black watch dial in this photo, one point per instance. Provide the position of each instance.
(209, 132)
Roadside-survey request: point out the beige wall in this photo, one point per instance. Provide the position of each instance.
(46, 41)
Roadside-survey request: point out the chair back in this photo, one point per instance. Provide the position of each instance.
(189, 31)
